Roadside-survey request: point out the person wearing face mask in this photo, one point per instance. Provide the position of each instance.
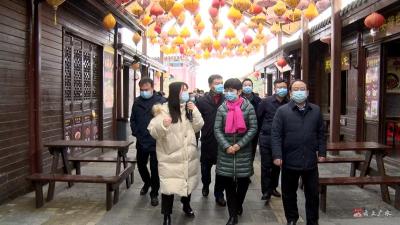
(265, 114)
(208, 105)
(255, 101)
(235, 127)
(145, 144)
(298, 143)
(178, 159)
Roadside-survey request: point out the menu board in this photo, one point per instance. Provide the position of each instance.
(372, 88)
(108, 79)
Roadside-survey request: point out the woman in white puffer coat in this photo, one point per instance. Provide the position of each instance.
(173, 127)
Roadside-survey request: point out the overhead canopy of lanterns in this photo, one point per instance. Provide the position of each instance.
(237, 27)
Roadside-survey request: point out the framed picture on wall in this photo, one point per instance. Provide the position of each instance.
(393, 75)
(372, 87)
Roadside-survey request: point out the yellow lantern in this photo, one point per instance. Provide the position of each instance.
(252, 25)
(172, 32)
(191, 5)
(292, 3)
(230, 33)
(200, 27)
(177, 9)
(279, 8)
(154, 41)
(185, 33)
(217, 45)
(234, 14)
(178, 41)
(197, 18)
(146, 20)
(109, 22)
(260, 36)
(206, 54)
(206, 43)
(197, 56)
(293, 15)
(55, 4)
(136, 38)
(259, 19)
(311, 12)
(167, 5)
(275, 28)
(215, 33)
(242, 5)
(150, 33)
(136, 9)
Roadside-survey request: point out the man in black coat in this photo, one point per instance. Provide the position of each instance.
(208, 105)
(265, 113)
(145, 144)
(255, 101)
(298, 143)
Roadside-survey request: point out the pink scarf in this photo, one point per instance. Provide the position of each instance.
(234, 119)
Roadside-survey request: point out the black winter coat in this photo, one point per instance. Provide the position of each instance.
(208, 110)
(140, 119)
(298, 136)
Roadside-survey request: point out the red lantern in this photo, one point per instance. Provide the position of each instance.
(213, 12)
(218, 3)
(255, 9)
(281, 62)
(247, 39)
(374, 21)
(157, 28)
(182, 50)
(156, 10)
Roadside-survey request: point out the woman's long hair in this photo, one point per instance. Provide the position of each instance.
(174, 102)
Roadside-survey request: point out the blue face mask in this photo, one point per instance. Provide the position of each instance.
(192, 99)
(281, 92)
(299, 96)
(184, 97)
(230, 96)
(247, 89)
(219, 88)
(146, 94)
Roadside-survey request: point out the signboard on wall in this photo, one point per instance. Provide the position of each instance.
(372, 88)
(108, 79)
(393, 75)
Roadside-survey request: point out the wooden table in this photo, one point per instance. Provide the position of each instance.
(371, 148)
(60, 147)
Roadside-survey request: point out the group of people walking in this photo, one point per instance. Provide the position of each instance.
(232, 121)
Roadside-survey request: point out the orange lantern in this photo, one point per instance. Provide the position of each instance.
(242, 5)
(156, 10)
(374, 20)
(136, 38)
(177, 9)
(181, 19)
(55, 4)
(281, 62)
(218, 26)
(167, 5)
(279, 8)
(197, 18)
(135, 66)
(136, 10)
(217, 45)
(200, 27)
(158, 74)
(311, 12)
(109, 22)
(252, 25)
(255, 9)
(191, 5)
(146, 20)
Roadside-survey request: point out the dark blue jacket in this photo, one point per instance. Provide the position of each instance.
(297, 136)
(266, 111)
(254, 100)
(140, 119)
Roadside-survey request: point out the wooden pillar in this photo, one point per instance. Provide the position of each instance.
(361, 88)
(115, 78)
(33, 82)
(336, 48)
(305, 57)
(280, 75)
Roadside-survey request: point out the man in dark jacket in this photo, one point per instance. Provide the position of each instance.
(208, 106)
(255, 101)
(145, 144)
(298, 143)
(265, 113)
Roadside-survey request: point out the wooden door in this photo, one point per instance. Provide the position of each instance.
(81, 78)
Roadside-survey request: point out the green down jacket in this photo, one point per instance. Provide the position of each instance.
(240, 164)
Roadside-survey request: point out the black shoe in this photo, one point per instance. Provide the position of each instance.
(188, 210)
(240, 211)
(232, 220)
(205, 191)
(220, 201)
(266, 197)
(291, 223)
(276, 193)
(154, 200)
(144, 190)
(167, 220)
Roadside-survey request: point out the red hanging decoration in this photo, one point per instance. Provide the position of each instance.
(281, 62)
(374, 20)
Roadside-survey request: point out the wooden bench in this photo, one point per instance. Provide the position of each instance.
(112, 184)
(354, 161)
(381, 180)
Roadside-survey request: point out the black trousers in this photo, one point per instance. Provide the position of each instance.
(235, 192)
(152, 181)
(167, 203)
(290, 181)
(269, 173)
(206, 179)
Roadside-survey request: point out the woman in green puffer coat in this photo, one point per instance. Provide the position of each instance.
(234, 128)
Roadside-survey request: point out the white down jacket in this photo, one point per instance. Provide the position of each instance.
(177, 155)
